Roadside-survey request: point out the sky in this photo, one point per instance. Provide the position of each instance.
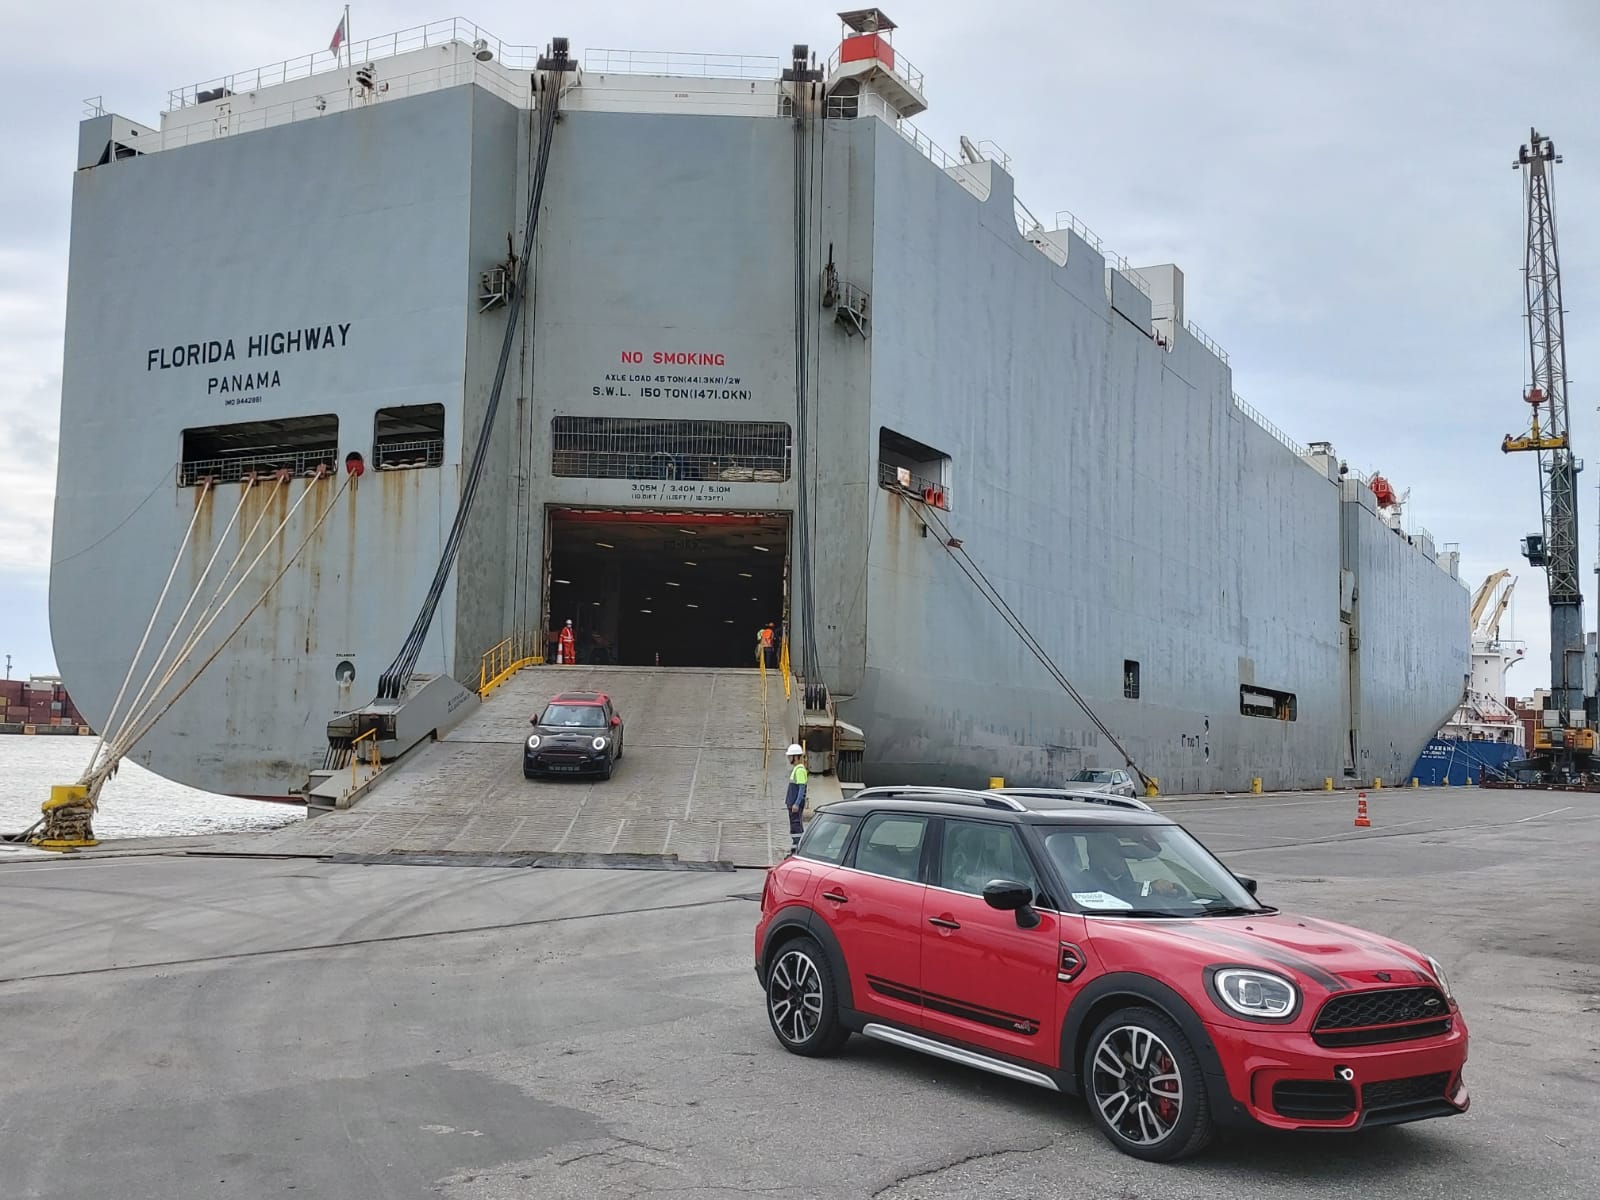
(1334, 181)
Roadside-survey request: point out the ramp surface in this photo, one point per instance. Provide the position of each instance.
(696, 779)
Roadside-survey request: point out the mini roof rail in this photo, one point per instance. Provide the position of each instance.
(943, 795)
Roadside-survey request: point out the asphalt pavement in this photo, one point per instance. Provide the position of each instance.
(188, 1026)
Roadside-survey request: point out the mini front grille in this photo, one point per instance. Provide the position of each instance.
(1390, 1015)
(1393, 1093)
(1313, 1099)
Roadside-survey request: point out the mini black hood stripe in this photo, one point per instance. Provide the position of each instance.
(1273, 954)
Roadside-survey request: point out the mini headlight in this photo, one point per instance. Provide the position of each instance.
(1260, 995)
(599, 743)
(533, 742)
(1439, 975)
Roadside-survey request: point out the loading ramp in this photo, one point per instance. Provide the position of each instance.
(701, 778)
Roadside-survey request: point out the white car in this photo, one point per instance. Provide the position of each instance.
(1038, 797)
(1107, 779)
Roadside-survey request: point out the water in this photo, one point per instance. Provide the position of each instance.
(136, 804)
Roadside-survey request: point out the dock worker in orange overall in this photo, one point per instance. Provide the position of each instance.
(768, 650)
(568, 643)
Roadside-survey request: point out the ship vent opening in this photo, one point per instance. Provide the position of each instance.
(1264, 702)
(652, 448)
(408, 437)
(908, 465)
(229, 453)
(670, 589)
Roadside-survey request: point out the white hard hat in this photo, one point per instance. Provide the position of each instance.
(794, 748)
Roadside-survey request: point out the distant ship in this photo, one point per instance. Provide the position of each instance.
(1484, 733)
(776, 358)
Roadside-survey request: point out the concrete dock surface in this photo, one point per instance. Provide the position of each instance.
(188, 1025)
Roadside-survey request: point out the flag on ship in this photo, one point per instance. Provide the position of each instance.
(340, 33)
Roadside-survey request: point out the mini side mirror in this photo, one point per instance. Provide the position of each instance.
(616, 721)
(1007, 895)
(1249, 884)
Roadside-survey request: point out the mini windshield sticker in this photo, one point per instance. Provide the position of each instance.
(1099, 900)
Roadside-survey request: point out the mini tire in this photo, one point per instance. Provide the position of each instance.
(802, 1005)
(1144, 1086)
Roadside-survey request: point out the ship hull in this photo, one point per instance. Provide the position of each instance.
(1227, 607)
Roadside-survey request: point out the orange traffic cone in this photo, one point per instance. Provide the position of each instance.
(1362, 821)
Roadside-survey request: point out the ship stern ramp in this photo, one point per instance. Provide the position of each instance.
(701, 780)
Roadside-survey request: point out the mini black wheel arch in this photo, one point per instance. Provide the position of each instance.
(1127, 989)
(787, 926)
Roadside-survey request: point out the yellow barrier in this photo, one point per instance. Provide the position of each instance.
(504, 659)
(783, 664)
(1255, 786)
(766, 741)
(355, 754)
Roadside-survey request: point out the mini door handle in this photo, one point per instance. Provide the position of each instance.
(836, 897)
(944, 924)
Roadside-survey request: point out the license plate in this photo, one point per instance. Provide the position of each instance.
(563, 766)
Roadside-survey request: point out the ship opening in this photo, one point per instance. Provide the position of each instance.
(671, 589)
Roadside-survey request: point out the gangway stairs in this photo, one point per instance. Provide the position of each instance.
(701, 779)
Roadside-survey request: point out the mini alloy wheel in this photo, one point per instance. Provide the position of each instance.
(800, 1001)
(1144, 1088)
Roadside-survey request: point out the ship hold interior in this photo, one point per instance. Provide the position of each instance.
(679, 589)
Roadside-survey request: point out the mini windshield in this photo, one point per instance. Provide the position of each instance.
(579, 716)
(1088, 776)
(1134, 870)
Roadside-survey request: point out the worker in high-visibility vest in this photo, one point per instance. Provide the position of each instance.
(768, 646)
(794, 798)
(568, 643)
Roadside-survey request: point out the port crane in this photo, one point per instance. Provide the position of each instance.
(1564, 738)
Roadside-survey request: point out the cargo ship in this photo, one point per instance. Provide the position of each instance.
(730, 343)
(1486, 732)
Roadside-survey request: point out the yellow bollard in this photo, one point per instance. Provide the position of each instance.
(1377, 782)
(995, 781)
(1447, 781)
(1255, 785)
(1413, 781)
(1152, 786)
(1327, 783)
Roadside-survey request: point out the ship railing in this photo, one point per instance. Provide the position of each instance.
(389, 45)
(488, 76)
(689, 65)
(1205, 339)
(899, 66)
(399, 456)
(904, 479)
(299, 463)
(94, 106)
(505, 658)
(1260, 419)
(1065, 220)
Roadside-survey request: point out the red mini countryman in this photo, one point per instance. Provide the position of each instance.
(1101, 952)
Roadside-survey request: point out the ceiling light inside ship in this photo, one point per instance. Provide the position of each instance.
(563, 581)
(605, 545)
(673, 583)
